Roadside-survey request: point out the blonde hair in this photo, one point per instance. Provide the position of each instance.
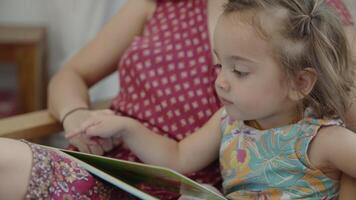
(307, 33)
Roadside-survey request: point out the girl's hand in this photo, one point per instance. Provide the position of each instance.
(84, 144)
(102, 124)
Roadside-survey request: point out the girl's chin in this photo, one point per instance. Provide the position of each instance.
(236, 114)
(232, 115)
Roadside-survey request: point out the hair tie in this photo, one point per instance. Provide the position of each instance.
(72, 111)
(306, 23)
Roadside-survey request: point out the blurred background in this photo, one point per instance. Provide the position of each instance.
(37, 36)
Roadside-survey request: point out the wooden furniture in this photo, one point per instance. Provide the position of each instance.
(35, 125)
(26, 48)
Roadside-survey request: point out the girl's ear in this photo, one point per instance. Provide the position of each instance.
(302, 84)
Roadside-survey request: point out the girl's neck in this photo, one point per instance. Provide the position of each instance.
(279, 120)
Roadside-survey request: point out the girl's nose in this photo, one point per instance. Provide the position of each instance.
(221, 83)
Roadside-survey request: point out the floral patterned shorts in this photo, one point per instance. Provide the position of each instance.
(54, 176)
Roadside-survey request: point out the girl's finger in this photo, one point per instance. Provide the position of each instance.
(95, 149)
(95, 145)
(116, 140)
(106, 144)
(72, 134)
(79, 143)
(89, 123)
(93, 130)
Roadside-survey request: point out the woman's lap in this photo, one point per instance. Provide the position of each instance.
(54, 176)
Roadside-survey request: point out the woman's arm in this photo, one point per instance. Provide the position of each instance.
(68, 89)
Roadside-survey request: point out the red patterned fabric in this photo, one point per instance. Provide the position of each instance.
(167, 77)
(56, 177)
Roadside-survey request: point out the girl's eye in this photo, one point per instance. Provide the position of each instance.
(239, 73)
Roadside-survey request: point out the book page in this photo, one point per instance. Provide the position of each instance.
(129, 176)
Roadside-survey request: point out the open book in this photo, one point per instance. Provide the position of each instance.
(128, 175)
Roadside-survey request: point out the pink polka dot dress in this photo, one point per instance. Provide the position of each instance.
(167, 76)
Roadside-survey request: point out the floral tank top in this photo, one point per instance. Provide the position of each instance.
(273, 163)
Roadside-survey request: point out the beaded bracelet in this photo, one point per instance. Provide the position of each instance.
(72, 111)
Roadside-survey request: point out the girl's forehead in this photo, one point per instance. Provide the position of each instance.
(235, 30)
(233, 24)
(267, 22)
(240, 39)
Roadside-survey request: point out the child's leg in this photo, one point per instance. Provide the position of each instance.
(15, 168)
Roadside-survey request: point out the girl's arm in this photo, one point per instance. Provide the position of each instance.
(347, 188)
(189, 155)
(351, 112)
(348, 184)
(334, 148)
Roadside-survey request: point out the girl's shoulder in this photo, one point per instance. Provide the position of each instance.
(330, 144)
(330, 136)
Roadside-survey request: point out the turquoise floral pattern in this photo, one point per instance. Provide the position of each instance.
(273, 163)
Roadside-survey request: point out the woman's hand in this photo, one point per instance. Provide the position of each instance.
(75, 122)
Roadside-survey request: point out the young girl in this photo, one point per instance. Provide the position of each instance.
(285, 82)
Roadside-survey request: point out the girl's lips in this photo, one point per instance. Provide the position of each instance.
(225, 102)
